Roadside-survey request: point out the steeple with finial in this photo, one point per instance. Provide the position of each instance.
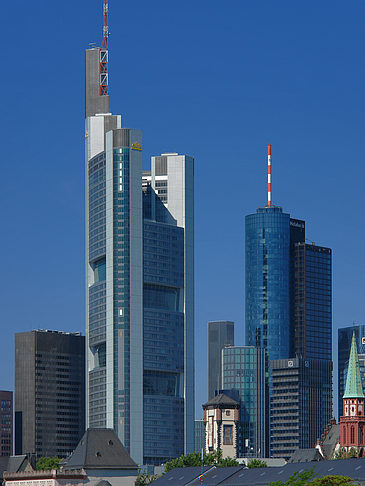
(352, 424)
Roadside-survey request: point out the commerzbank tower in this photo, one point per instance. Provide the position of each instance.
(139, 280)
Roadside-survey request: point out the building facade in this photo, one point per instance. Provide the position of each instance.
(140, 286)
(301, 403)
(199, 435)
(244, 370)
(344, 347)
(6, 423)
(49, 392)
(220, 334)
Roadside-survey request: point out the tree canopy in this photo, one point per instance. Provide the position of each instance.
(48, 463)
(195, 459)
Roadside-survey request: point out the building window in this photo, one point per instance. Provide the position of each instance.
(361, 438)
(352, 434)
(227, 434)
(344, 434)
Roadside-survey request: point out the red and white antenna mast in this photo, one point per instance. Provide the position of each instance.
(104, 53)
(269, 203)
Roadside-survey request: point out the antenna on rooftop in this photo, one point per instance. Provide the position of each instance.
(104, 53)
(269, 175)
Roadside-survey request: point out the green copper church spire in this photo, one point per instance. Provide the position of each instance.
(353, 381)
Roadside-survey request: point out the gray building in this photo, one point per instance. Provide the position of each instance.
(220, 334)
(244, 375)
(301, 403)
(49, 392)
(344, 346)
(139, 286)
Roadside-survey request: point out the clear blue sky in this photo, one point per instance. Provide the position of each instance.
(216, 80)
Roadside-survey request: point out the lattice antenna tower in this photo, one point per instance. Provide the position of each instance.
(104, 52)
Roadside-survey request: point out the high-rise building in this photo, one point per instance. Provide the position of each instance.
(344, 346)
(244, 371)
(288, 289)
(220, 334)
(49, 392)
(140, 284)
(301, 403)
(6, 423)
(199, 435)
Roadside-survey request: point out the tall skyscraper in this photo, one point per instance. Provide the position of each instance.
(288, 289)
(244, 370)
(49, 392)
(140, 283)
(344, 347)
(301, 403)
(6, 423)
(220, 334)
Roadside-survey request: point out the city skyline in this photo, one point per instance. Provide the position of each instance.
(45, 213)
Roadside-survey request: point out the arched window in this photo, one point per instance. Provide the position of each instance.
(361, 433)
(352, 434)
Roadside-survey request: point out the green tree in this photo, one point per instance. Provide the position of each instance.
(145, 479)
(332, 480)
(343, 454)
(48, 463)
(195, 459)
(256, 463)
(297, 479)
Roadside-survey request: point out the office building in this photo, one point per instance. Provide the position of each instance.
(344, 347)
(49, 392)
(220, 334)
(6, 423)
(140, 284)
(244, 371)
(199, 435)
(301, 403)
(288, 290)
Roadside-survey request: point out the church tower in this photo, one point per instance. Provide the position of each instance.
(352, 423)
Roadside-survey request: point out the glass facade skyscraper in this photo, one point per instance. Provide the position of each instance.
(140, 286)
(220, 334)
(267, 281)
(288, 295)
(244, 375)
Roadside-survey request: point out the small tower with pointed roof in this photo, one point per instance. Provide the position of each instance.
(221, 416)
(352, 423)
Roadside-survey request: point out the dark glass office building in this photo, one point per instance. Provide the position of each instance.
(49, 392)
(6, 423)
(244, 374)
(301, 403)
(344, 346)
(220, 334)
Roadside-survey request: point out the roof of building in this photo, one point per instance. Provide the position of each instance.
(233, 476)
(222, 399)
(353, 387)
(332, 438)
(100, 449)
(306, 455)
(103, 483)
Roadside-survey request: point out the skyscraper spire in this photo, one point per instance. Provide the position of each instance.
(353, 387)
(269, 175)
(104, 53)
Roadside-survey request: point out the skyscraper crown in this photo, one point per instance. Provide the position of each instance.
(353, 381)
